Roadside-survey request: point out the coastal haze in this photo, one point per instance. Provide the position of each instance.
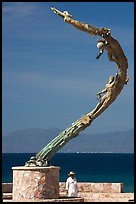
(34, 139)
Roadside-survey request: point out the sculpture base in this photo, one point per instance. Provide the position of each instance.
(35, 183)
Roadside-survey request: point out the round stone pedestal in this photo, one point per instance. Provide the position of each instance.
(35, 183)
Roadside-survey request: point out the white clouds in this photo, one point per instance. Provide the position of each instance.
(17, 10)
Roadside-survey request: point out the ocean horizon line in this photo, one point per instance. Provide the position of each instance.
(71, 153)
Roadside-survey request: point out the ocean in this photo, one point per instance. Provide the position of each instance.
(89, 167)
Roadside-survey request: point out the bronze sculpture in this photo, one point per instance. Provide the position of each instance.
(112, 89)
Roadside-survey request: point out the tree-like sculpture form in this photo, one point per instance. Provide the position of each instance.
(111, 90)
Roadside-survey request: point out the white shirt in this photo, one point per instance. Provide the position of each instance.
(71, 186)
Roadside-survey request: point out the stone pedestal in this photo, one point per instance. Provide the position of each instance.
(35, 183)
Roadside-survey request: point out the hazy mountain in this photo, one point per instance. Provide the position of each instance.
(34, 139)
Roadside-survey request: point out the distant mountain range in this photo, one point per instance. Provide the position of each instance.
(34, 139)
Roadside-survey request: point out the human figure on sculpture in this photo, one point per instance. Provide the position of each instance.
(109, 90)
(104, 45)
(71, 185)
(115, 52)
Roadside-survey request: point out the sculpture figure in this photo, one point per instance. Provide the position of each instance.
(109, 90)
(111, 45)
(103, 44)
(112, 89)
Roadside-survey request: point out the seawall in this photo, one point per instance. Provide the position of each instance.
(90, 192)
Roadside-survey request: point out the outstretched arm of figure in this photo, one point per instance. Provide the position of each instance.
(98, 95)
(103, 91)
(80, 25)
(62, 14)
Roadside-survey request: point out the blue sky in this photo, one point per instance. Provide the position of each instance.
(50, 74)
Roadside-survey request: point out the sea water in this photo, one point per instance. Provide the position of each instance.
(89, 167)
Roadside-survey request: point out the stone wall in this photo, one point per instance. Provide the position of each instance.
(107, 197)
(91, 192)
(35, 183)
(82, 186)
(100, 192)
(7, 187)
(96, 187)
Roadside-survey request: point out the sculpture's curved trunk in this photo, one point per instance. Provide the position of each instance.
(45, 155)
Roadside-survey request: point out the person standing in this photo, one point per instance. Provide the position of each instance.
(71, 185)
